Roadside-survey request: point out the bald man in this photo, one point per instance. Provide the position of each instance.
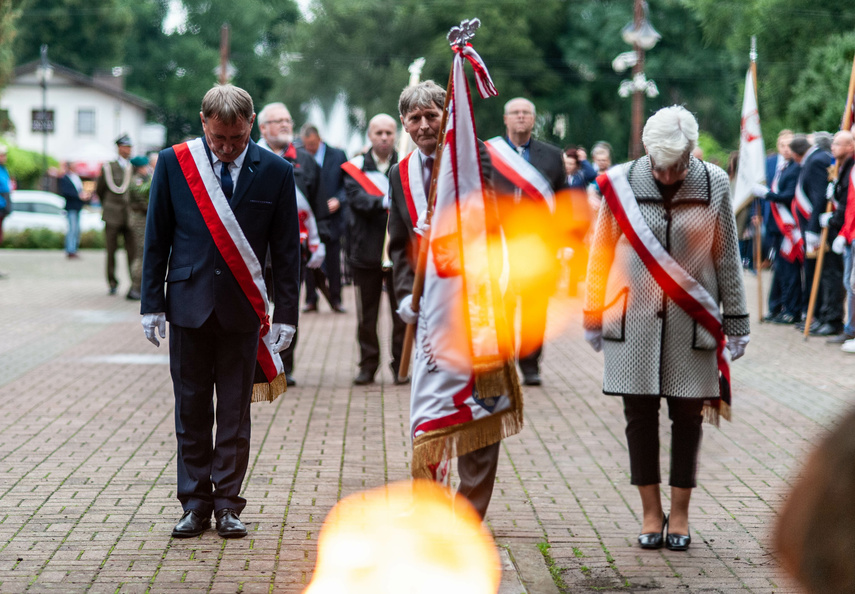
(841, 227)
(366, 184)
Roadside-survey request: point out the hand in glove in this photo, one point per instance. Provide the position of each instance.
(736, 346)
(811, 241)
(595, 339)
(824, 218)
(282, 335)
(405, 310)
(317, 257)
(152, 322)
(759, 190)
(422, 227)
(838, 245)
(387, 201)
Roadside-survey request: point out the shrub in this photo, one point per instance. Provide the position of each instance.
(45, 239)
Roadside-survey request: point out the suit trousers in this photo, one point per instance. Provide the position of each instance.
(789, 276)
(332, 270)
(832, 289)
(369, 294)
(809, 269)
(211, 469)
(642, 436)
(477, 472)
(111, 237)
(533, 303)
(776, 293)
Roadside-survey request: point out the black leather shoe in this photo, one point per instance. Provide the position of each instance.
(770, 317)
(827, 329)
(784, 318)
(310, 308)
(678, 542)
(531, 379)
(653, 540)
(133, 295)
(229, 525)
(191, 524)
(112, 291)
(364, 378)
(289, 380)
(337, 308)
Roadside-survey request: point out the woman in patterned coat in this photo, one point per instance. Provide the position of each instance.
(653, 348)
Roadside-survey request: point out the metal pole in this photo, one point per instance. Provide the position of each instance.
(44, 64)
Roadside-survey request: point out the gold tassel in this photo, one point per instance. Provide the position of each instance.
(268, 392)
(433, 447)
(713, 414)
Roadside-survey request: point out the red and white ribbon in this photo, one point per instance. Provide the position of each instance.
(792, 246)
(486, 88)
(231, 243)
(410, 168)
(519, 172)
(802, 202)
(678, 284)
(373, 182)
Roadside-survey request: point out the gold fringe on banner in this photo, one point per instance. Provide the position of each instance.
(433, 447)
(713, 412)
(268, 392)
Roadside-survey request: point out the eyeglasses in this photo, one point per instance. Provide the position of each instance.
(520, 112)
(280, 121)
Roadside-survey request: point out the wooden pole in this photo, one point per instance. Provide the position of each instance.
(424, 244)
(758, 212)
(847, 114)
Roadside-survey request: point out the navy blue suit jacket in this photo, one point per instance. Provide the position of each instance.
(814, 181)
(179, 248)
(70, 193)
(332, 186)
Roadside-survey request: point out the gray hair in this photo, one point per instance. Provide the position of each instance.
(308, 129)
(227, 103)
(530, 104)
(823, 140)
(265, 111)
(670, 135)
(425, 94)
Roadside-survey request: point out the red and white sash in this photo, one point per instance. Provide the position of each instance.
(802, 202)
(792, 246)
(231, 243)
(373, 182)
(410, 168)
(678, 284)
(522, 174)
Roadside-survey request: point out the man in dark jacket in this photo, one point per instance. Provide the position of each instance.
(841, 231)
(71, 188)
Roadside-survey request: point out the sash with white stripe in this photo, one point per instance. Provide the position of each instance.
(792, 246)
(802, 202)
(522, 174)
(678, 284)
(235, 250)
(373, 182)
(410, 168)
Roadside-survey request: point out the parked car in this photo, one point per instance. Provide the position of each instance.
(34, 209)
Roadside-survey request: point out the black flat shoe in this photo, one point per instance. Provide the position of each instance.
(191, 524)
(653, 540)
(678, 542)
(229, 525)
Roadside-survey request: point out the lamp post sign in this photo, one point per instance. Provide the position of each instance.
(43, 120)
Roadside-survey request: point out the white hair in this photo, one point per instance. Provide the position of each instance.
(262, 115)
(669, 135)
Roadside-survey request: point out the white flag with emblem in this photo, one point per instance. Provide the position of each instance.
(752, 152)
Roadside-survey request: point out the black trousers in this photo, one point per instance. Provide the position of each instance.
(211, 469)
(832, 289)
(332, 270)
(788, 275)
(369, 294)
(642, 436)
(477, 472)
(533, 305)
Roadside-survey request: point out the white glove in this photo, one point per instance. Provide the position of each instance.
(824, 218)
(811, 241)
(736, 346)
(387, 201)
(282, 335)
(152, 322)
(595, 339)
(759, 190)
(838, 245)
(317, 257)
(422, 226)
(405, 310)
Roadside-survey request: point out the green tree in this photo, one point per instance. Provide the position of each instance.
(9, 15)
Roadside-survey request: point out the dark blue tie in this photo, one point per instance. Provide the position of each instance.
(226, 181)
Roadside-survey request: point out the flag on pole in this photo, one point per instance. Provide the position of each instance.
(752, 151)
(465, 391)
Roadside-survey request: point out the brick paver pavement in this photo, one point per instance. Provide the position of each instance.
(88, 455)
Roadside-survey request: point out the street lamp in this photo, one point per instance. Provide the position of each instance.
(44, 73)
(642, 36)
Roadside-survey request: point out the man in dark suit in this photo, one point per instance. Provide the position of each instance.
(420, 110)
(812, 187)
(214, 325)
(331, 188)
(534, 297)
(71, 188)
(277, 136)
(367, 195)
(772, 237)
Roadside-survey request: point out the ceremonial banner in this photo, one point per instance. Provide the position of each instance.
(752, 152)
(465, 391)
(679, 285)
(236, 251)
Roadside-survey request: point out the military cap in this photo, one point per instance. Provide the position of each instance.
(124, 140)
(139, 161)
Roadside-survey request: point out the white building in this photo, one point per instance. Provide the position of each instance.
(84, 115)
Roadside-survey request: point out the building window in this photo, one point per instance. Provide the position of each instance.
(86, 121)
(43, 120)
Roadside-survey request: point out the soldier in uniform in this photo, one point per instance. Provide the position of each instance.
(138, 206)
(113, 189)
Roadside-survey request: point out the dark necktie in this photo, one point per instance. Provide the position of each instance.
(429, 168)
(226, 181)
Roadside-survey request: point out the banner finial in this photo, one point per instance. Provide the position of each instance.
(463, 33)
